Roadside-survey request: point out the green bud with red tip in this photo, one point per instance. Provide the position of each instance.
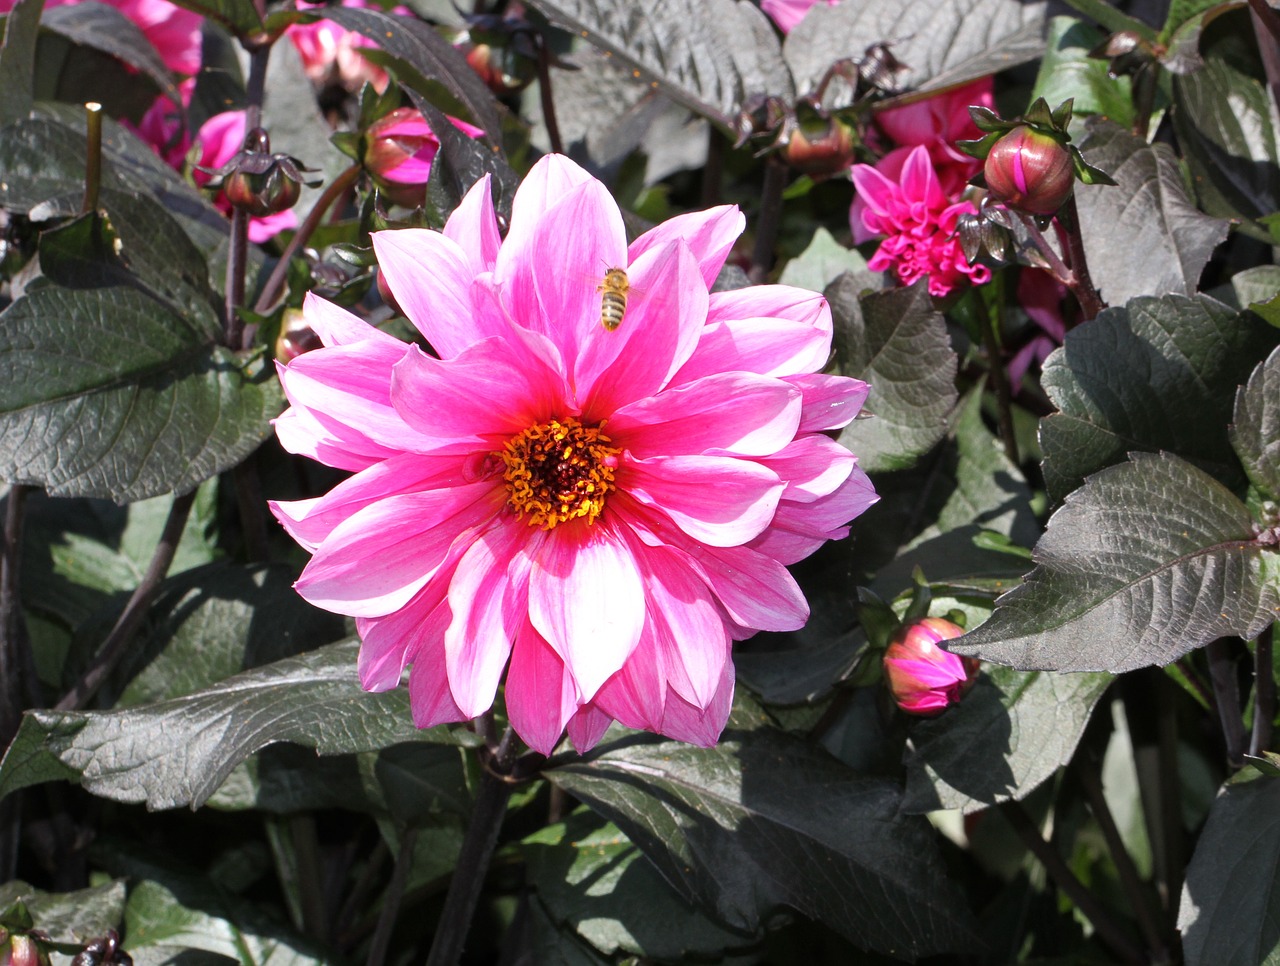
(1030, 171)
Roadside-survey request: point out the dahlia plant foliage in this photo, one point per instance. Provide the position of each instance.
(755, 481)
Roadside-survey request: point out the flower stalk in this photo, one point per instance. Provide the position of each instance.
(769, 220)
(1264, 695)
(93, 156)
(1222, 672)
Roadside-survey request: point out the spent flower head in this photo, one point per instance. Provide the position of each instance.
(589, 491)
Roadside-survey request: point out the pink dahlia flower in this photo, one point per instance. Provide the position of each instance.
(595, 512)
(219, 139)
(787, 13)
(331, 52)
(901, 199)
(937, 123)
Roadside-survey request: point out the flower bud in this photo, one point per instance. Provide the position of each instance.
(820, 147)
(925, 679)
(1030, 171)
(23, 951)
(398, 154)
(296, 337)
(261, 193)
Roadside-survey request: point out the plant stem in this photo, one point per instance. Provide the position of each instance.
(92, 156)
(1264, 693)
(275, 282)
(237, 259)
(113, 648)
(1169, 790)
(769, 220)
(1093, 910)
(1085, 291)
(391, 899)
(1222, 672)
(713, 170)
(1055, 263)
(473, 860)
(544, 93)
(1087, 771)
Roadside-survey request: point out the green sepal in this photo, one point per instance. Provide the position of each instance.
(981, 147)
(1061, 115)
(349, 143)
(1039, 115)
(1085, 171)
(876, 617)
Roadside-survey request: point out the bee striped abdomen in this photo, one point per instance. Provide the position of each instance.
(613, 298)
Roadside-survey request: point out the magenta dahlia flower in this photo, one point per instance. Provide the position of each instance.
(901, 199)
(595, 511)
(924, 679)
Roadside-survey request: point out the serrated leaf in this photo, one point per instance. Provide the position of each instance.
(823, 261)
(594, 881)
(897, 342)
(943, 43)
(1255, 431)
(1142, 236)
(178, 752)
(419, 45)
(1230, 909)
(1008, 734)
(1144, 563)
(105, 28)
(1067, 71)
(1226, 127)
(709, 55)
(1191, 355)
(18, 60)
(764, 820)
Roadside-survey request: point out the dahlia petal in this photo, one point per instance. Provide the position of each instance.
(769, 346)
(665, 312)
(486, 614)
(709, 234)
(327, 440)
(688, 626)
(587, 727)
(493, 389)
(800, 528)
(389, 644)
(700, 725)
(430, 699)
(830, 402)
(541, 697)
(636, 696)
(474, 227)
(729, 412)
(547, 182)
(813, 466)
(336, 326)
(587, 600)
(407, 535)
(436, 302)
(720, 500)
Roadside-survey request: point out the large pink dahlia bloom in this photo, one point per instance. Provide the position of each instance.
(596, 512)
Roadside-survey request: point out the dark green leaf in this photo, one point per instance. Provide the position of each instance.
(1142, 236)
(1158, 374)
(18, 61)
(1147, 561)
(1255, 432)
(1230, 911)
(87, 412)
(824, 261)
(553, 946)
(1112, 18)
(942, 42)
(593, 880)
(1225, 123)
(423, 49)
(105, 28)
(897, 342)
(178, 752)
(72, 916)
(764, 820)
(795, 674)
(240, 16)
(709, 55)
(1068, 71)
(1010, 733)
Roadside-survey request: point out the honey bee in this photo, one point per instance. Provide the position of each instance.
(613, 298)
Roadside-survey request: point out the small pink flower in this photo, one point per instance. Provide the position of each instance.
(219, 139)
(400, 149)
(925, 679)
(901, 199)
(938, 122)
(595, 514)
(787, 13)
(331, 53)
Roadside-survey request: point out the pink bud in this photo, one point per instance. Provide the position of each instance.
(23, 951)
(296, 336)
(925, 679)
(820, 148)
(1030, 171)
(399, 152)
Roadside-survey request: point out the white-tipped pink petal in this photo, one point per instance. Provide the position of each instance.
(587, 727)
(813, 466)
(407, 535)
(830, 402)
(327, 440)
(801, 528)
(548, 181)
(541, 696)
(487, 610)
(389, 644)
(720, 500)
(730, 412)
(688, 626)
(709, 234)
(336, 326)
(474, 227)
(587, 600)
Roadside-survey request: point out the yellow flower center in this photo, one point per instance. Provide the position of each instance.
(558, 471)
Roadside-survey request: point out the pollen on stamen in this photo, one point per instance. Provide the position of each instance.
(558, 471)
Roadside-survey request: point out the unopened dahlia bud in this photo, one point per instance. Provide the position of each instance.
(399, 149)
(23, 951)
(820, 147)
(259, 182)
(296, 336)
(1029, 170)
(925, 679)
